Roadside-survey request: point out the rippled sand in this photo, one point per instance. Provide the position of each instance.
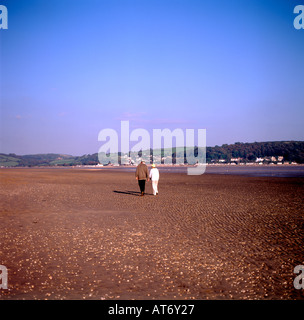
(87, 234)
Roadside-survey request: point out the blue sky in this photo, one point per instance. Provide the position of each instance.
(72, 68)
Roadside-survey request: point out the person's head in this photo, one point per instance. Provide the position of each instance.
(153, 165)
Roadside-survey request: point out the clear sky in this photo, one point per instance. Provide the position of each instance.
(71, 68)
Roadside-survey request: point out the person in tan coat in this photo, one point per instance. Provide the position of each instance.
(142, 175)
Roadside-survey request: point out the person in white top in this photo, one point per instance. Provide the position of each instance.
(154, 176)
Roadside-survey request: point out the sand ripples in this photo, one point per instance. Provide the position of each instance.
(80, 234)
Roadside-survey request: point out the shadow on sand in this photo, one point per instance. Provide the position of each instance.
(132, 193)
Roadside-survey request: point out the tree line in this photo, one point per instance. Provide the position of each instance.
(291, 151)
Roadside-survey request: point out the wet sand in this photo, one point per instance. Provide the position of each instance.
(87, 234)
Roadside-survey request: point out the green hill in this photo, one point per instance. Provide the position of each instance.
(273, 151)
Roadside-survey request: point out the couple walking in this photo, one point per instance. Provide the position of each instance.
(142, 175)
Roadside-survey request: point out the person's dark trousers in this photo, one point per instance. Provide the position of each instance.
(142, 184)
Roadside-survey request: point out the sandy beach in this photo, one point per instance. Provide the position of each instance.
(87, 234)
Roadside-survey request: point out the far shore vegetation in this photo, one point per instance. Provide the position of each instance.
(274, 152)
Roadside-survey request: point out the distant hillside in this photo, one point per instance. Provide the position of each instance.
(266, 152)
(291, 151)
(13, 160)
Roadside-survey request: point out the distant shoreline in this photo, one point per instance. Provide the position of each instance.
(255, 170)
(164, 165)
(158, 165)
